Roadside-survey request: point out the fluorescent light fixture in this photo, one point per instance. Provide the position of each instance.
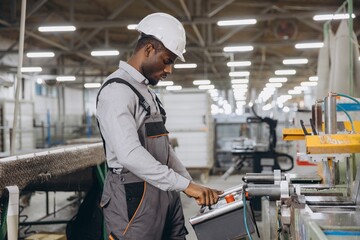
(295, 61)
(238, 98)
(174, 88)
(99, 53)
(185, 65)
(286, 96)
(241, 103)
(325, 17)
(65, 78)
(237, 86)
(294, 92)
(165, 83)
(278, 80)
(207, 87)
(285, 72)
(239, 74)
(201, 82)
(240, 91)
(92, 85)
(300, 88)
(40, 54)
(309, 84)
(239, 64)
(313, 78)
(236, 22)
(236, 81)
(131, 26)
(275, 85)
(309, 45)
(57, 29)
(31, 69)
(238, 49)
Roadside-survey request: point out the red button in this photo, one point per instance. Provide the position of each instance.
(229, 198)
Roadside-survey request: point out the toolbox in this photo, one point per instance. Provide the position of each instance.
(224, 220)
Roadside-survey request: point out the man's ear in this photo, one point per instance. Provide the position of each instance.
(148, 48)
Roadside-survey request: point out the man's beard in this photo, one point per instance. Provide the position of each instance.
(153, 82)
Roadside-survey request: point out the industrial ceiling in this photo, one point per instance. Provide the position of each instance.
(103, 24)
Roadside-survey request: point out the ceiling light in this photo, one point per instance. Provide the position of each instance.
(313, 78)
(300, 88)
(99, 53)
(278, 80)
(324, 17)
(39, 54)
(92, 85)
(237, 86)
(65, 78)
(241, 103)
(240, 90)
(236, 81)
(309, 45)
(239, 64)
(131, 26)
(31, 69)
(201, 82)
(275, 85)
(185, 65)
(295, 61)
(294, 92)
(207, 87)
(57, 29)
(165, 83)
(239, 98)
(238, 49)
(285, 72)
(236, 22)
(239, 74)
(173, 88)
(309, 84)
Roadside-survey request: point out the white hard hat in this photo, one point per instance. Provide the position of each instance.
(167, 30)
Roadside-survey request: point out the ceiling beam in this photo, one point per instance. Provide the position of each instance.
(111, 17)
(109, 23)
(218, 8)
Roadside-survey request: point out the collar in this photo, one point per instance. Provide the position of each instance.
(135, 74)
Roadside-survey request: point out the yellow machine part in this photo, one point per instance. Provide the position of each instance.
(333, 143)
(291, 134)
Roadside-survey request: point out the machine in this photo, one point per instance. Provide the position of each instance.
(321, 206)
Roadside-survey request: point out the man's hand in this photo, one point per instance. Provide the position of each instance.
(203, 195)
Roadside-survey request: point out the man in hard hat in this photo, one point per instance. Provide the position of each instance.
(141, 192)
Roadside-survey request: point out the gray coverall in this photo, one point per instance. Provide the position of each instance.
(157, 214)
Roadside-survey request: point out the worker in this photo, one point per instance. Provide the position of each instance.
(141, 196)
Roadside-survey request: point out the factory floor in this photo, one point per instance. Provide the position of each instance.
(63, 206)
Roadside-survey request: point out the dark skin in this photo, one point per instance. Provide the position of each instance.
(156, 64)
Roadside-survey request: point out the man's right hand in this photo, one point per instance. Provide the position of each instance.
(203, 195)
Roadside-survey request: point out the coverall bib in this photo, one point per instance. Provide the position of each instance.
(156, 214)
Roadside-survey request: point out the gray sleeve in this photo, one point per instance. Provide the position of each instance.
(115, 113)
(176, 164)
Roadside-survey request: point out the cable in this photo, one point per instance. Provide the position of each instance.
(348, 115)
(245, 223)
(349, 97)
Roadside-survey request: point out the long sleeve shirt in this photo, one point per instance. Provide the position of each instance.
(120, 115)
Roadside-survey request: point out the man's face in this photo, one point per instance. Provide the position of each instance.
(158, 65)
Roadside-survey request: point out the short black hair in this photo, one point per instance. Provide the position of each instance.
(145, 39)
